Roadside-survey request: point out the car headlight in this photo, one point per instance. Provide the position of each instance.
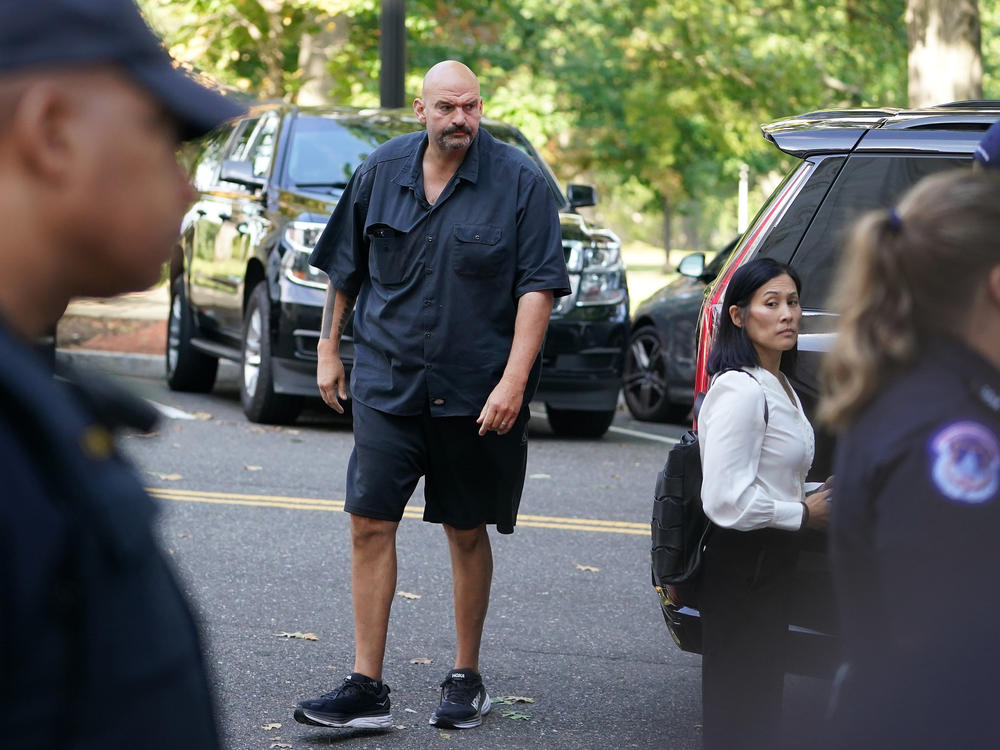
(301, 237)
(599, 263)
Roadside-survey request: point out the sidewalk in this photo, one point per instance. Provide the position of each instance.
(127, 335)
(124, 335)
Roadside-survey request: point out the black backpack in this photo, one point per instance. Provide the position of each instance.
(680, 528)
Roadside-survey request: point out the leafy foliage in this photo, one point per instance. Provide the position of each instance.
(657, 101)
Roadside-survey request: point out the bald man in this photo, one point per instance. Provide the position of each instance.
(446, 245)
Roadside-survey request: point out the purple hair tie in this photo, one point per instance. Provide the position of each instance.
(894, 221)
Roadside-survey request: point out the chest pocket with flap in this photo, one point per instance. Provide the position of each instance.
(390, 264)
(478, 250)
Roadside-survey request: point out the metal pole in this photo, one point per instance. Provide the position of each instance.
(393, 53)
(743, 208)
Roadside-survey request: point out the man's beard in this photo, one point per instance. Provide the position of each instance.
(454, 145)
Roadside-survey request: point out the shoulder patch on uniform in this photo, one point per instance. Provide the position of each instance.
(965, 462)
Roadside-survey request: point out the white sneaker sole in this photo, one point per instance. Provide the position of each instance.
(361, 722)
(475, 721)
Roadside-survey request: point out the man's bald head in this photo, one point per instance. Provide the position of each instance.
(449, 74)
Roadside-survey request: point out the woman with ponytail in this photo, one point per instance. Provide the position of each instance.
(913, 387)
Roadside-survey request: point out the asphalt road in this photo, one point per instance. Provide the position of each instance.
(252, 516)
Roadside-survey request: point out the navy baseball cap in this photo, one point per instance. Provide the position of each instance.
(48, 34)
(987, 153)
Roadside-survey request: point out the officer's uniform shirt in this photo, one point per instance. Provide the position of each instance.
(915, 537)
(437, 285)
(98, 648)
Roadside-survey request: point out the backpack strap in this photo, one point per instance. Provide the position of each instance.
(766, 414)
(699, 399)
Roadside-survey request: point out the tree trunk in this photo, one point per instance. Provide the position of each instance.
(314, 61)
(668, 239)
(945, 61)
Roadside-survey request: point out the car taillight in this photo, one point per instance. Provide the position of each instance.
(712, 307)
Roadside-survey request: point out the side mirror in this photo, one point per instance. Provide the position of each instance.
(240, 172)
(581, 195)
(692, 265)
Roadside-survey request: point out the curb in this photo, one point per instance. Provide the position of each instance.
(113, 363)
(131, 364)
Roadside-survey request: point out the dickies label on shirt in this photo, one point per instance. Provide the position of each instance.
(965, 462)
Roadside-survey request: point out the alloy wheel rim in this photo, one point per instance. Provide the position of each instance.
(174, 333)
(646, 381)
(251, 353)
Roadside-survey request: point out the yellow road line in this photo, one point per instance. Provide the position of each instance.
(305, 503)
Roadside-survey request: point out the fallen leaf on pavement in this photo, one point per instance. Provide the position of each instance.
(587, 568)
(143, 435)
(204, 416)
(407, 595)
(444, 736)
(166, 477)
(271, 725)
(517, 715)
(300, 636)
(420, 660)
(507, 700)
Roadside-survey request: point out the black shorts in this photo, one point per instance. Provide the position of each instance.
(469, 480)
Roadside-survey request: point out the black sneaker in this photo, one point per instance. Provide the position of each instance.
(359, 703)
(464, 701)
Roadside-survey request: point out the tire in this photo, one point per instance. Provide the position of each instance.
(188, 369)
(645, 382)
(260, 402)
(581, 424)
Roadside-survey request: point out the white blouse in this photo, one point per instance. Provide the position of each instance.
(753, 477)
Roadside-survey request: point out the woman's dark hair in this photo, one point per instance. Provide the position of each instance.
(733, 348)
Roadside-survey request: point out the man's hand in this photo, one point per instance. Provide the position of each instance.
(501, 409)
(330, 375)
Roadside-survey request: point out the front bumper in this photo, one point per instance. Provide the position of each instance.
(582, 364)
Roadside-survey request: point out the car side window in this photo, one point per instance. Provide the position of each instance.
(261, 148)
(206, 171)
(867, 181)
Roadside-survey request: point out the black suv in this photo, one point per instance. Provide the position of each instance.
(242, 288)
(847, 162)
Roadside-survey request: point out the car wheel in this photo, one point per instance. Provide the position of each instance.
(260, 402)
(645, 379)
(576, 423)
(188, 369)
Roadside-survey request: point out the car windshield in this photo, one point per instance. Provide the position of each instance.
(325, 151)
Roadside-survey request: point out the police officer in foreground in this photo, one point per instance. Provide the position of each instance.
(913, 383)
(98, 648)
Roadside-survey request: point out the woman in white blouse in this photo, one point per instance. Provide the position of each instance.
(756, 448)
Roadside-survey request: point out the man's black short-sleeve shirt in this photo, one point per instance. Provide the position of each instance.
(437, 285)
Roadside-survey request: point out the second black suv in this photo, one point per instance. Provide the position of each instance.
(242, 288)
(847, 162)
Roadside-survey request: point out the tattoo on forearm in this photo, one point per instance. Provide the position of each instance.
(342, 321)
(327, 325)
(336, 312)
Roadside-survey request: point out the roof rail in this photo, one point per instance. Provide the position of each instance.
(971, 104)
